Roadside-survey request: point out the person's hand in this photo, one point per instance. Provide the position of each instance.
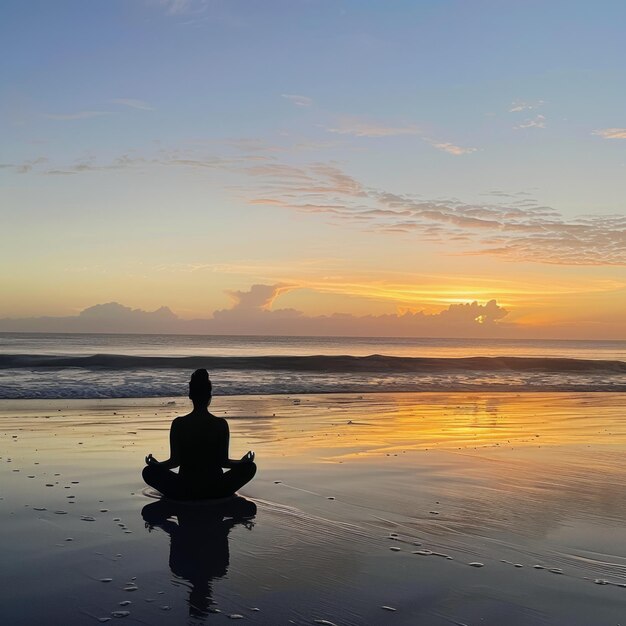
(150, 460)
(248, 457)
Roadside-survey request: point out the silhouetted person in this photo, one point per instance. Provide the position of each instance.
(199, 446)
(199, 541)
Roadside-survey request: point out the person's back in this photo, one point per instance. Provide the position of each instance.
(201, 440)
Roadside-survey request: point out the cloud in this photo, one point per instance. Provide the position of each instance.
(258, 298)
(513, 229)
(539, 121)
(178, 6)
(362, 128)
(611, 133)
(252, 313)
(281, 171)
(518, 106)
(451, 148)
(79, 115)
(133, 104)
(111, 317)
(301, 101)
(84, 115)
(115, 311)
(29, 165)
(129, 160)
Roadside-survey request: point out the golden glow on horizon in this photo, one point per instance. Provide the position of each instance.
(536, 299)
(432, 296)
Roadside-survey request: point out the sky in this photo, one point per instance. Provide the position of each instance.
(314, 167)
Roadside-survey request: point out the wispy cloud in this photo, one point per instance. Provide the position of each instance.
(301, 101)
(611, 133)
(519, 106)
(180, 6)
(518, 230)
(79, 115)
(133, 104)
(362, 128)
(130, 160)
(29, 165)
(539, 121)
(451, 148)
(514, 227)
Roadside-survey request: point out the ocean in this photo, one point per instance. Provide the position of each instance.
(38, 365)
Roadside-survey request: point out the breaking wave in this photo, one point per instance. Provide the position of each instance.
(319, 363)
(129, 376)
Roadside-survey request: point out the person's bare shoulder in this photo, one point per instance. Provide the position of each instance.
(219, 421)
(179, 421)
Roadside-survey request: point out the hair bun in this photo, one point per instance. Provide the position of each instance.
(200, 385)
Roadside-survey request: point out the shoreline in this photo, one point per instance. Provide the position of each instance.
(361, 503)
(469, 390)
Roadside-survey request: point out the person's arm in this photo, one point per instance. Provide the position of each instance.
(224, 443)
(174, 460)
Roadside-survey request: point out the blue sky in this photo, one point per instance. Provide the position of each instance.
(141, 137)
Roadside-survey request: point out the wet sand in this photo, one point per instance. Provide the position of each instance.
(377, 509)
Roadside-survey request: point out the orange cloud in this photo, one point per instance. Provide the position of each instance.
(611, 133)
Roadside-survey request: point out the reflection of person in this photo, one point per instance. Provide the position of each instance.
(199, 445)
(199, 541)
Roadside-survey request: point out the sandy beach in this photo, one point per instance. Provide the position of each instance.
(437, 509)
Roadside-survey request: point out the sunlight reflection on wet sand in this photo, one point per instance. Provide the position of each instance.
(362, 502)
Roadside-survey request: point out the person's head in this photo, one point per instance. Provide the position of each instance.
(200, 389)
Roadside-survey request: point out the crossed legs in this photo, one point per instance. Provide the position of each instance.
(172, 486)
